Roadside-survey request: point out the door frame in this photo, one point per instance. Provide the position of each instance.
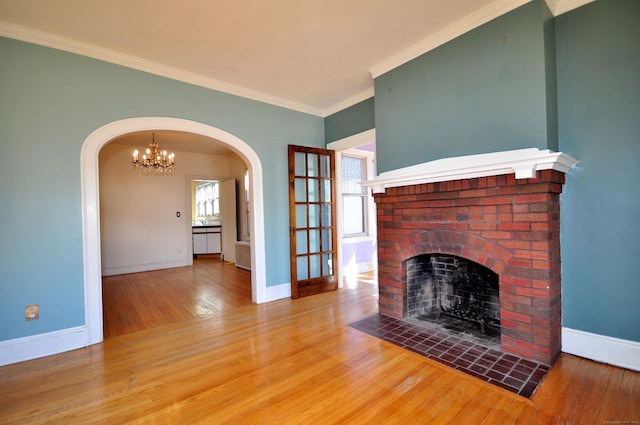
(340, 146)
(91, 258)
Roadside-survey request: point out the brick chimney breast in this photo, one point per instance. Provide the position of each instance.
(507, 224)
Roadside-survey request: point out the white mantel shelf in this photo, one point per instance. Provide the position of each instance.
(523, 162)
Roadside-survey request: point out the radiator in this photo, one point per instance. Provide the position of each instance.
(243, 255)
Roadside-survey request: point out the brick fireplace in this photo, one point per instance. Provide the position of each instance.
(501, 211)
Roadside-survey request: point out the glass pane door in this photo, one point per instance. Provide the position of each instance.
(312, 218)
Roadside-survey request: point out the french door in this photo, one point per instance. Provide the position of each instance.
(312, 221)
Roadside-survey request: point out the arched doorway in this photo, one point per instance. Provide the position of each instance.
(91, 206)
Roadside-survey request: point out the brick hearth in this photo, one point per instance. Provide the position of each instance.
(509, 225)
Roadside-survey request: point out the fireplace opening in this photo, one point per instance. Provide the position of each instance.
(455, 295)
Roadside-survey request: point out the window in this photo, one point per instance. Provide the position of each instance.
(207, 199)
(354, 196)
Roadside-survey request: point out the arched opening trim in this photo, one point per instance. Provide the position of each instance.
(91, 206)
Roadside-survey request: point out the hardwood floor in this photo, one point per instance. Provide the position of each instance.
(138, 301)
(225, 360)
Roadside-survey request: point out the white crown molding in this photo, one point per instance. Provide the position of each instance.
(68, 45)
(523, 162)
(558, 7)
(470, 22)
(350, 101)
(488, 13)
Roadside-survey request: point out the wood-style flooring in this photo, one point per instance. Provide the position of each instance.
(138, 301)
(212, 357)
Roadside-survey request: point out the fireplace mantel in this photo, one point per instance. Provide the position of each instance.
(523, 162)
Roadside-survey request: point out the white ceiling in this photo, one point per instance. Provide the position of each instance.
(316, 56)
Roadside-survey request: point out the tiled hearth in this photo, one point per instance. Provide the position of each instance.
(507, 371)
(501, 211)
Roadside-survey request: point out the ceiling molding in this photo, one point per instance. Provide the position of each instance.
(69, 45)
(558, 7)
(480, 17)
(350, 101)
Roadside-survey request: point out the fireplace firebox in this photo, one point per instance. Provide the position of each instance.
(446, 286)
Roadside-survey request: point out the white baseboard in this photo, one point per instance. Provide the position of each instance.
(114, 271)
(278, 292)
(36, 346)
(605, 349)
(600, 348)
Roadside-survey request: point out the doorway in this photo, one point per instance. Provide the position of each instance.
(357, 230)
(91, 215)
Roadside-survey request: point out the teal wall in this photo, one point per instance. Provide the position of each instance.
(350, 121)
(485, 91)
(599, 114)
(50, 101)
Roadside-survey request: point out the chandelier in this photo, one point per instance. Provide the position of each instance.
(155, 161)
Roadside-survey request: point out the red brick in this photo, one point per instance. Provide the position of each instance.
(520, 208)
(515, 281)
(542, 265)
(505, 323)
(521, 226)
(505, 217)
(477, 193)
(513, 298)
(496, 235)
(545, 226)
(530, 198)
(483, 226)
(490, 217)
(495, 200)
(531, 217)
(530, 292)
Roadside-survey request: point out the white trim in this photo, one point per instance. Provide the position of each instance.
(354, 141)
(149, 266)
(455, 30)
(350, 101)
(523, 162)
(42, 38)
(601, 348)
(278, 292)
(342, 146)
(41, 345)
(558, 7)
(468, 23)
(91, 206)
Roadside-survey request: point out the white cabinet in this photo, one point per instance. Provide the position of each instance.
(207, 240)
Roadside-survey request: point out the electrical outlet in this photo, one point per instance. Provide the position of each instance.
(32, 312)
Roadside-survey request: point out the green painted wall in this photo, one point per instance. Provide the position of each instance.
(352, 120)
(485, 91)
(599, 124)
(50, 101)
